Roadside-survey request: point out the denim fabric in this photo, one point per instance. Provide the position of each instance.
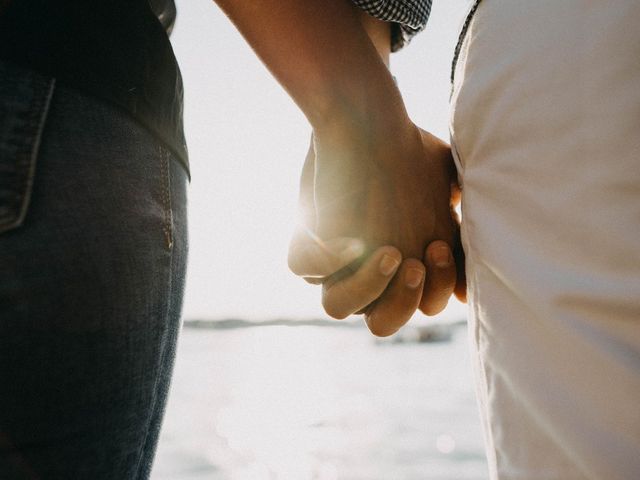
(93, 245)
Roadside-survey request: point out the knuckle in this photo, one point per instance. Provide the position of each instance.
(313, 280)
(434, 307)
(293, 262)
(293, 267)
(333, 310)
(303, 262)
(383, 332)
(336, 314)
(379, 328)
(442, 285)
(449, 282)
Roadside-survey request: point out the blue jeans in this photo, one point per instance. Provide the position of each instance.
(93, 245)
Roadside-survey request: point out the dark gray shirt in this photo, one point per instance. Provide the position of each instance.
(116, 50)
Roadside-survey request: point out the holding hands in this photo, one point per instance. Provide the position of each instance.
(376, 190)
(378, 227)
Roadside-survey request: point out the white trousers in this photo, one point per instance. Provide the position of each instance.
(545, 127)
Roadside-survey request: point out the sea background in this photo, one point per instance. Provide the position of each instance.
(322, 402)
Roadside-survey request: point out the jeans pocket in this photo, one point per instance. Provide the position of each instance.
(24, 102)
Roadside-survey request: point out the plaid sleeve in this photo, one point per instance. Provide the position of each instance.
(408, 17)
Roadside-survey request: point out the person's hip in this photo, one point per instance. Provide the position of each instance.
(545, 130)
(92, 264)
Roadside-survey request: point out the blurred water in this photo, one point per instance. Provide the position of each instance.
(319, 403)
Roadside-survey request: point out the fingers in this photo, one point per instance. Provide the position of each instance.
(312, 257)
(399, 302)
(441, 278)
(342, 296)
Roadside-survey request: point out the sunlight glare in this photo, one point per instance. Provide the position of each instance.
(278, 402)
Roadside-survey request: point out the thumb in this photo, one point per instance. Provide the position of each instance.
(312, 257)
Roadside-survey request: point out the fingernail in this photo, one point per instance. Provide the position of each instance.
(441, 256)
(354, 250)
(388, 265)
(413, 277)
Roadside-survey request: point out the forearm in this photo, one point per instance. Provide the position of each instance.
(321, 53)
(379, 33)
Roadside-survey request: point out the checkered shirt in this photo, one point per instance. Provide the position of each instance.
(407, 16)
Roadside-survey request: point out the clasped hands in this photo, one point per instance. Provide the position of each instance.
(378, 227)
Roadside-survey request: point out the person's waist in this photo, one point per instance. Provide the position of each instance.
(126, 60)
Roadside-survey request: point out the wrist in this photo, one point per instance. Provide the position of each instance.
(370, 141)
(363, 119)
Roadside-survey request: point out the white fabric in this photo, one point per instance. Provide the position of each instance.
(546, 131)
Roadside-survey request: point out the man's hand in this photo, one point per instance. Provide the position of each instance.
(401, 208)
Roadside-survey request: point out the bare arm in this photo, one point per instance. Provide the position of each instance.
(379, 33)
(320, 52)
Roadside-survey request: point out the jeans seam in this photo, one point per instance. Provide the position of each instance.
(167, 226)
(148, 447)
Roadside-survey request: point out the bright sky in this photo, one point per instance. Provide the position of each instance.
(247, 142)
